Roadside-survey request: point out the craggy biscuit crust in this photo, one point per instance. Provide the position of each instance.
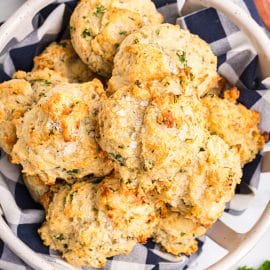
(56, 137)
(99, 26)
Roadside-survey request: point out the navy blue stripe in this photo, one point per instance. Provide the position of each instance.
(249, 74)
(250, 169)
(150, 244)
(206, 24)
(45, 12)
(260, 85)
(66, 18)
(249, 97)
(3, 76)
(221, 59)
(234, 212)
(22, 58)
(194, 256)
(253, 11)
(243, 188)
(161, 3)
(1, 247)
(152, 258)
(28, 234)
(71, 4)
(23, 198)
(39, 19)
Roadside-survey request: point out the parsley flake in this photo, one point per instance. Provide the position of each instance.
(136, 41)
(60, 237)
(182, 57)
(100, 9)
(73, 171)
(118, 158)
(86, 33)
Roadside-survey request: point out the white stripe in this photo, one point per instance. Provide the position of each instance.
(11, 266)
(11, 210)
(9, 170)
(53, 23)
(228, 72)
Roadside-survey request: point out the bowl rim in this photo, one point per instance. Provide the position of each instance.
(253, 31)
(258, 39)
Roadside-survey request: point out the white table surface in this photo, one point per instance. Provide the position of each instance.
(258, 254)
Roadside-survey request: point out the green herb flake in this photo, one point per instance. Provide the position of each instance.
(86, 33)
(46, 82)
(231, 176)
(108, 207)
(118, 158)
(72, 29)
(136, 41)
(100, 9)
(60, 237)
(166, 83)
(72, 195)
(73, 171)
(182, 57)
(183, 234)
(128, 182)
(122, 33)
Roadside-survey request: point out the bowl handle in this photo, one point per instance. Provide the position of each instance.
(29, 9)
(247, 24)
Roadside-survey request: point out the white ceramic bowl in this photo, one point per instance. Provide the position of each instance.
(237, 244)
